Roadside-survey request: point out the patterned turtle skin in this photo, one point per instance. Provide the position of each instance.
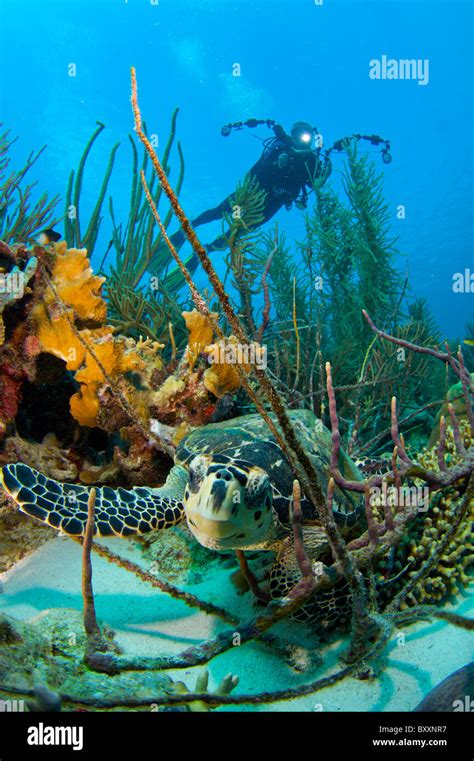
(232, 484)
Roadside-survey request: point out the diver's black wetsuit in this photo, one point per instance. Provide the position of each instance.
(284, 174)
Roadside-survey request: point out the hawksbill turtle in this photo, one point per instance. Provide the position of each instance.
(232, 484)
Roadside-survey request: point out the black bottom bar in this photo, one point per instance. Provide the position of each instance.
(131, 736)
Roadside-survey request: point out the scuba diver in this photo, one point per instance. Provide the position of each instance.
(290, 167)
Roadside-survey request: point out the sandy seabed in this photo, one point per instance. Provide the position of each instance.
(148, 622)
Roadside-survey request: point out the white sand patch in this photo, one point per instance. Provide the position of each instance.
(149, 622)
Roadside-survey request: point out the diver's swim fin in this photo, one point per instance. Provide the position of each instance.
(159, 261)
(174, 280)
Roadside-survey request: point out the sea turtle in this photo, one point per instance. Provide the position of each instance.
(233, 485)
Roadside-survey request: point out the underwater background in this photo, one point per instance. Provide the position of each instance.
(106, 373)
(299, 61)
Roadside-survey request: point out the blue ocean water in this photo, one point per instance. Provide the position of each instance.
(300, 60)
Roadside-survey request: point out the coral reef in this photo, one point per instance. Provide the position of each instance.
(48, 650)
(99, 357)
(130, 407)
(72, 299)
(370, 630)
(18, 348)
(313, 301)
(58, 336)
(12, 287)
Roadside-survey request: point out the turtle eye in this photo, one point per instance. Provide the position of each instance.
(258, 490)
(197, 471)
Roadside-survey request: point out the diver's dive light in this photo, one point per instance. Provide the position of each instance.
(302, 134)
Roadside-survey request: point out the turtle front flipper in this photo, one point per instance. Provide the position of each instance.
(117, 511)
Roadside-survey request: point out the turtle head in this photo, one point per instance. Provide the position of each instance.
(228, 507)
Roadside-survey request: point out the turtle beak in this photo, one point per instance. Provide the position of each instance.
(213, 529)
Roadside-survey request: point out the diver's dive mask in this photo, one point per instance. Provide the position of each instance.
(303, 137)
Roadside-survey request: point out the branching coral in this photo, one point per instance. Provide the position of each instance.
(20, 217)
(225, 687)
(429, 531)
(72, 222)
(138, 305)
(243, 261)
(439, 545)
